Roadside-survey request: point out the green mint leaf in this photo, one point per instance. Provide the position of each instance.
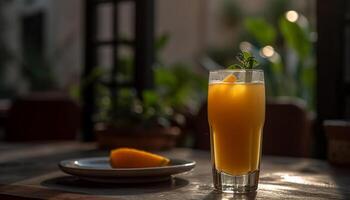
(251, 62)
(240, 58)
(246, 61)
(246, 55)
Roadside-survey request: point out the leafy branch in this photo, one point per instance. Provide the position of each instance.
(246, 61)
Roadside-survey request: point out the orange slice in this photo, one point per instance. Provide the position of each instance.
(133, 158)
(230, 78)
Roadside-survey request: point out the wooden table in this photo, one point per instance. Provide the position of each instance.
(30, 171)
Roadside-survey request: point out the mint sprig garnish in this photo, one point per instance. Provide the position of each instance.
(245, 61)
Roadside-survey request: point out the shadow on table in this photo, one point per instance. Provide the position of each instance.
(74, 184)
(341, 177)
(220, 196)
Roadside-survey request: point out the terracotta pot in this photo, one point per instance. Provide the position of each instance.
(157, 138)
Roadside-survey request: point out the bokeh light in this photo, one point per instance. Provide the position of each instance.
(292, 16)
(245, 46)
(267, 51)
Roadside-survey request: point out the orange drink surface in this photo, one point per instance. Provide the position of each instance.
(236, 113)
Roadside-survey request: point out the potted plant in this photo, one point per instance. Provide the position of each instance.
(155, 119)
(131, 122)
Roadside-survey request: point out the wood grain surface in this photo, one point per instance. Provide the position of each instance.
(29, 171)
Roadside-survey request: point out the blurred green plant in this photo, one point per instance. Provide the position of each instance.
(178, 91)
(289, 62)
(262, 31)
(276, 8)
(283, 43)
(180, 87)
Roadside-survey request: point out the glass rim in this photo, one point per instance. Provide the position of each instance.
(236, 70)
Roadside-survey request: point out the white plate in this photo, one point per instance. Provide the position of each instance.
(98, 169)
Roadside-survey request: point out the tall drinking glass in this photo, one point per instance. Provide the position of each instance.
(236, 114)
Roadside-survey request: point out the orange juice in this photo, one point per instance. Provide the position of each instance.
(236, 113)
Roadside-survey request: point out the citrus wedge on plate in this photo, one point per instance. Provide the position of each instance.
(134, 158)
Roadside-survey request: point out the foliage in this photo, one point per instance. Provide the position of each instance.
(246, 61)
(180, 87)
(264, 32)
(290, 69)
(274, 9)
(177, 90)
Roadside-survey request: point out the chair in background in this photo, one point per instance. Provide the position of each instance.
(287, 130)
(338, 141)
(201, 128)
(42, 117)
